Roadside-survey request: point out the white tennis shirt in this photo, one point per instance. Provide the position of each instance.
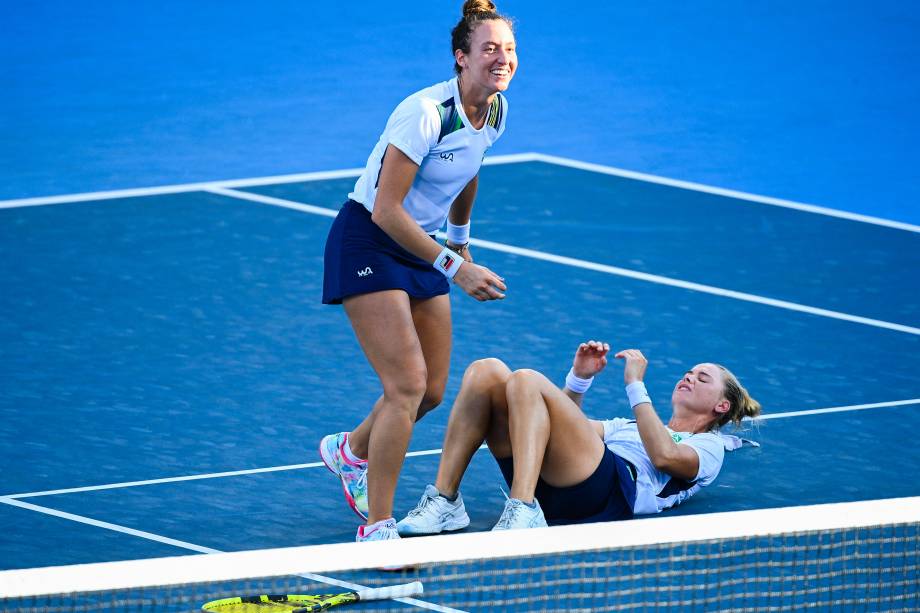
(431, 128)
(656, 490)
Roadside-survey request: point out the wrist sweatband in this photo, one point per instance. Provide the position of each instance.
(637, 394)
(448, 262)
(458, 235)
(576, 383)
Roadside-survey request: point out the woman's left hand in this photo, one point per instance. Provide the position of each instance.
(590, 359)
(636, 363)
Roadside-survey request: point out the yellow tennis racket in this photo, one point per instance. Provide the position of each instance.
(305, 603)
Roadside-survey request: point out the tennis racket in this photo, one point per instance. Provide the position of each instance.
(301, 603)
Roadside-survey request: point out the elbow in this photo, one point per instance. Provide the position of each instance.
(387, 217)
(383, 218)
(675, 466)
(659, 462)
(664, 461)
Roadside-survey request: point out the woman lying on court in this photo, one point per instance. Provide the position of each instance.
(564, 468)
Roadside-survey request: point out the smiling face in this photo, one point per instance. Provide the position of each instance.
(701, 391)
(492, 58)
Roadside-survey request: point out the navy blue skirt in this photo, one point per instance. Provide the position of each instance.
(607, 495)
(361, 258)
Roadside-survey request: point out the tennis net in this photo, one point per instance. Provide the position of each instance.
(861, 556)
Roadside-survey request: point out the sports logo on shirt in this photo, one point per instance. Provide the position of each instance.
(447, 157)
(365, 272)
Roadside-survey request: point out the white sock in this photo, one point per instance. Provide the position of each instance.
(349, 454)
(375, 525)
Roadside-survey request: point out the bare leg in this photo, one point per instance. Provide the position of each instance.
(478, 414)
(550, 436)
(385, 328)
(432, 322)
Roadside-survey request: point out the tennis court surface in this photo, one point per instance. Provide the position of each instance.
(168, 373)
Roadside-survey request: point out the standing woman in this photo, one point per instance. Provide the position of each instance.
(383, 263)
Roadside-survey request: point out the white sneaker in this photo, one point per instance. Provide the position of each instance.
(519, 515)
(434, 514)
(383, 530)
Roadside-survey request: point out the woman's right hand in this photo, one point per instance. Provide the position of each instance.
(479, 282)
(590, 359)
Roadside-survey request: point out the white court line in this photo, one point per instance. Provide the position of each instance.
(114, 486)
(490, 161)
(718, 191)
(234, 473)
(852, 407)
(200, 549)
(604, 268)
(140, 192)
(411, 454)
(102, 524)
(287, 204)
(207, 185)
(689, 285)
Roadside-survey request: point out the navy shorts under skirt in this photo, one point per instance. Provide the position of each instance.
(361, 258)
(607, 495)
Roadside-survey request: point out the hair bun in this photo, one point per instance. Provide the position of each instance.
(473, 7)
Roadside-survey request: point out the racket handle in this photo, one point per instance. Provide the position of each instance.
(394, 591)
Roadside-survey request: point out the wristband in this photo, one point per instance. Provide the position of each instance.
(637, 394)
(448, 262)
(458, 235)
(576, 383)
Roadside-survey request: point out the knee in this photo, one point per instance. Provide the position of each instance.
(409, 389)
(487, 372)
(432, 398)
(524, 380)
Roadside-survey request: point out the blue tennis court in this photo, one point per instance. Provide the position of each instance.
(167, 367)
(180, 334)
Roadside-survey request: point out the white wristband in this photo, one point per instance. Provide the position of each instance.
(637, 394)
(448, 262)
(576, 383)
(458, 235)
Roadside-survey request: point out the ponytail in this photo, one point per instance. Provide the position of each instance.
(741, 404)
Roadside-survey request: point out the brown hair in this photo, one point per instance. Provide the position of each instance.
(475, 12)
(741, 404)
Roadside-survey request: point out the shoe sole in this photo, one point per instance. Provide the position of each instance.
(543, 525)
(348, 497)
(454, 526)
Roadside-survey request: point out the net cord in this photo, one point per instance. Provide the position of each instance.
(189, 569)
